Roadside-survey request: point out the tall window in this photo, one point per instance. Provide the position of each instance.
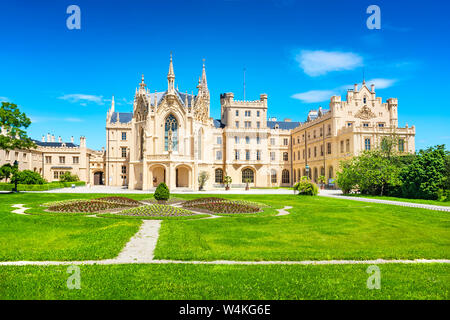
(347, 145)
(124, 169)
(285, 156)
(171, 131)
(258, 155)
(219, 140)
(272, 156)
(247, 140)
(236, 139)
(124, 152)
(247, 154)
(329, 147)
(236, 154)
(401, 145)
(219, 176)
(237, 124)
(199, 146)
(76, 160)
(273, 176)
(62, 160)
(285, 176)
(247, 175)
(258, 140)
(124, 136)
(218, 155)
(285, 141)
(367, 144)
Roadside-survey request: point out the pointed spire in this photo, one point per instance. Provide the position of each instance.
(112, 104)
(142, 85)
(171, 76)
(156, 101)
(204, 82)
(186, 99)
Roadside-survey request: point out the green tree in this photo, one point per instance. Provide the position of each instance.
(6, 171)
(14, 122)
(27, 177)
(371, 173)
(426, 175)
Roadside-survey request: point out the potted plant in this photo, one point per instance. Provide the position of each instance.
(227, 180)
(247, 186)
(202, 178)
(322, 181)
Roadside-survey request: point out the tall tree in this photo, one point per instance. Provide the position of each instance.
(13, 123)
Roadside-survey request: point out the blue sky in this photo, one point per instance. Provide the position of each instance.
(298, 52)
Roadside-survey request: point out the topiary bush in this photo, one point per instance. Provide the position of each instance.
(307, 188)
(162, 192)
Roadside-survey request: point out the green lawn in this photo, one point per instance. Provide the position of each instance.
(318, 228)
(422, 281)
(52, 237)
(422, 201)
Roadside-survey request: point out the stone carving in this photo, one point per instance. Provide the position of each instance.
(365, 113)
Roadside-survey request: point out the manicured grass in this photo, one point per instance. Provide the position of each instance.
(422, 201)
(225, 282)
(318, 228)
(45, 237)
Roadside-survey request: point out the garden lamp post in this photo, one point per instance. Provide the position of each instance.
(16, 168)
(307, 171)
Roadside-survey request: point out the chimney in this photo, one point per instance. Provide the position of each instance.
(263, 98)
(355, 87)
(43, 138)
(53, 138)
(372, 88)
(59, 139)
(71, 139)
(287, 120)
(49, 137)
(82, 142)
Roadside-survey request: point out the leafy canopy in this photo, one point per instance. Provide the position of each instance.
(13, 123)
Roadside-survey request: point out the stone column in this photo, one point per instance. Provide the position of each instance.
(145, 185)
(131, 177)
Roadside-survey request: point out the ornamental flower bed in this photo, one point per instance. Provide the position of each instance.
(85, 206)
(194, 202)
(60, 202)
(156, 210)
(226, 207)
(121, 200)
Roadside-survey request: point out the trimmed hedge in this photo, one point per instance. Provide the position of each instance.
(40, 187)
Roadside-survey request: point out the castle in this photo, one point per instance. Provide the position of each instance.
(170, 137)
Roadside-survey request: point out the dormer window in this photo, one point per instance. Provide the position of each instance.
(365, 125)
(365, 100)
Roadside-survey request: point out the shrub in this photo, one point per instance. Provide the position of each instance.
(162, 193)
(424, 177)
(307, 188)
(202, 178)
(68, 177)
(28, 177)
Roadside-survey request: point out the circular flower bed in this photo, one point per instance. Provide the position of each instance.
(121, 200)
(60, 202)
(156, 210)
(85, 206)
(220, 205)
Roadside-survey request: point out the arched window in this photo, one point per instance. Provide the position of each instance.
(285, 176)
(219, 175)
(171, 133)
(365, 100)
(273, 176)
(247, 174)
(330, 173)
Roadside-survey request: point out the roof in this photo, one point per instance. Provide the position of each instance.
(283, 125)
(218, 123)
(55, 144)
(160, 96)
(124, 117)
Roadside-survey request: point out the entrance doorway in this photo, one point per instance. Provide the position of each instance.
(98, 178)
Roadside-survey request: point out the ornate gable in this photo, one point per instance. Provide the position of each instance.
(365, 113)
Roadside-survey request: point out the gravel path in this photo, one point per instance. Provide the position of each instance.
(21, 209)
(283, 212)
(391, 202)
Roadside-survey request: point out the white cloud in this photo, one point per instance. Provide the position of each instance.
(314, 96)
(316, 63)
(381, 83)
(4, 99)
(36, 119)
(83, 98)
